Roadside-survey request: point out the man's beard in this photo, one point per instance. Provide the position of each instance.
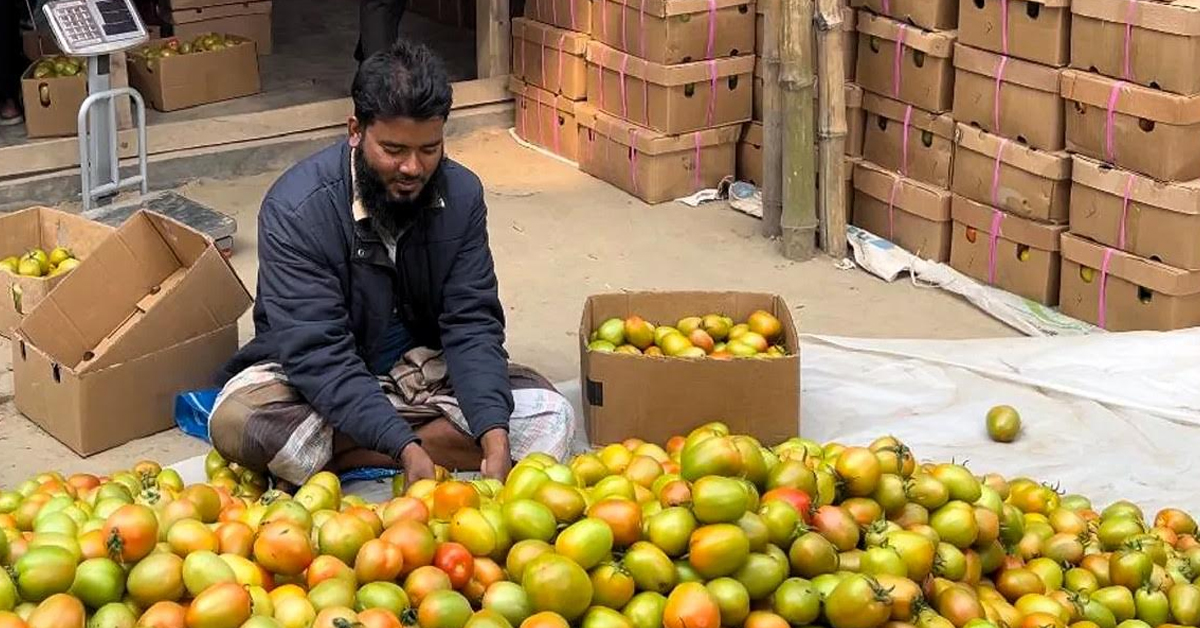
(388, 215)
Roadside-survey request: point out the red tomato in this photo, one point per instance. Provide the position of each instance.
(131, 533)
(378, 560)
(456, 561)
(794, 496)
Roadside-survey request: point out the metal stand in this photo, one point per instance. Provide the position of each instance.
(99, 144)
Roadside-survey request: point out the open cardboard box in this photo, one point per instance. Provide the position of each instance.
(152, 312)
(44, 228)
(1038, 30)
(656, 398)
(930, 140)
(199, 78)
(675, 31)
(52, 103)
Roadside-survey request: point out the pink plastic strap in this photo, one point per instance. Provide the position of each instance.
(554, 12)
(624, 30)
(522, 56)
(904, 141)
(1004, 26)
(712, 97)
(1110, 152)
(898, 61)
(993, 240)
(1102, 313)
(555, 130)
(1003, 63)
(646, 102)
(562, 44)
(697, 183)
(710, 50)
(1127, 62)
(1124, 211)
(542, 58)
(624, 98)
(600, 76)
(574, 23)
(642, 28)
(633, 159)
(603, 19)
(892, 207)
(996, 173)
(887, 8)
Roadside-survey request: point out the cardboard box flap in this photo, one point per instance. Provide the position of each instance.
(668, 75)
(1133, 100)
(1183, 197)
(912, 196)
(1137, 270)
(669, 8)
(940, 124)
(1181, 17)
(557, 39)
(650, 142)
(936, 43)
(537, 94)
(199, 14)
(854, 96)
(1024, 73)
(1013, 228)
(132, 296)
(585, 114)
(753, 134)
(1048, 165)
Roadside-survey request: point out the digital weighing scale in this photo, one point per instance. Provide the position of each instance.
(96, 29)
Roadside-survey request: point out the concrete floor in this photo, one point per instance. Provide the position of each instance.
(559, 235)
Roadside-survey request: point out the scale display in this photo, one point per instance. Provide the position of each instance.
(95, 27)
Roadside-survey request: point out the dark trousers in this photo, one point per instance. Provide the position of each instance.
(378, 25)
(12, 58)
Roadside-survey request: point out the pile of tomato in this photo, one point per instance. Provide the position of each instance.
(711, 530)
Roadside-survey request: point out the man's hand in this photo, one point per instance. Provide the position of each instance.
(417, 463)
(497, 458)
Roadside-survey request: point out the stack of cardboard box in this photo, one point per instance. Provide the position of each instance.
(905, 66)
(669, 84)
(1132, 257)
(250, 19)
(1011, 176)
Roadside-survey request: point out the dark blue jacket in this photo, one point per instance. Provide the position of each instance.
(328, 291)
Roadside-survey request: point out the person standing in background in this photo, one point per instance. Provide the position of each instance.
(378, 26)
(12, 62)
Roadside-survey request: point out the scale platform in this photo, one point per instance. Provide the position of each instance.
(200, 217)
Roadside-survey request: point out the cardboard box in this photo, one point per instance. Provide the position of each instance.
(1030, 109)
(749, 154)
(892, 128)
(251, 20)
(52, 103)
(933, 15)
(656, 398)
(849, 37)
(152, 312)
(912, 214)
(1028, 182)
(675, 31)
(670, 99)
(545, 119)
(1024, 260)
(649, 165)
(38, 44)
(1164, 45)
(1140, 294)
(1151, 132)
(550, 58)
(47, 229)
(925, 75)
(170, 83)
(1038, 30)
(573, 15)
(1161, 220)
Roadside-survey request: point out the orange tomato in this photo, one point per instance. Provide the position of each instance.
(131, 532)
(545, 620)
(283, 548)
(327, 568)
(763, 619)
(11, 620)
(404, 509)
(58, 611)
(164, 615)
(190, 535)
(83, 481)
(450, 496)
(415, 541)
(379, 618)
(225, 605)
(622, 515)
(91, 545)
(206, 499)
(235, 537)
(378, 560)
(368, 516)
(423, 581)
(690, 605)
(336, 617)
(488, 571)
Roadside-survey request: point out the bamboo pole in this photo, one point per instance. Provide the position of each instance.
(772, 193)
(831, 127)
(799, 221)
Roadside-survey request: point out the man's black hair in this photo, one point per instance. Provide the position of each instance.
(407, 81)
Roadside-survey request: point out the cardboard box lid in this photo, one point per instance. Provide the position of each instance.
(940, 124)
(535, 93)
(936, 43)
(1134, 100)
(45, 227)
(1137, 270)
(914, 197)
(1024, 73)
(650, 142)
(152, 284)
(186, 16)
(668, 8)
(1012, 227)
(1183, 197)
(569, 42)
(669, 75)
(1048, 165)
(752, 133)
(1180, 17)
